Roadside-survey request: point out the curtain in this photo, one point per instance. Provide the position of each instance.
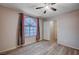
(38, 31)
(21, 40)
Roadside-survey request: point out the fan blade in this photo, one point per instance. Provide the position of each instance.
(39, 7)
(44, 11)
(53, 9)
(52, 3)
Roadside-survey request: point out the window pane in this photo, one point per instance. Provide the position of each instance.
(35, 28)
(34, 23)
(30, 29)
(26, 31)
(27, 28)
(34, 33)
(31, 33)
(27, 34)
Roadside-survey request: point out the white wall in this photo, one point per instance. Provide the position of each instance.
(68, 29)
(8, 29)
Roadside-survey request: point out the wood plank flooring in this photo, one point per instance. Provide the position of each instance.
(44, 48)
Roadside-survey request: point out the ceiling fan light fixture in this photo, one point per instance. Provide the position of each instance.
(47, 7)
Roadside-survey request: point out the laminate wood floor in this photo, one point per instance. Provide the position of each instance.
(44, 48)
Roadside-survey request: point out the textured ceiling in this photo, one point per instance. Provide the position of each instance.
(29, 8)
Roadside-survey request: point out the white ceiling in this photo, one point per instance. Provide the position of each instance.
(29, 8)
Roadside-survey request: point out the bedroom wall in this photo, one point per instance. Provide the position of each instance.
(8, 29)
(68, 29)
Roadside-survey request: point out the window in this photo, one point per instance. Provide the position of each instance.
(29, 26)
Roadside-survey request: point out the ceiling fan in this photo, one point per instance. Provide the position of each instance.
(48, 5)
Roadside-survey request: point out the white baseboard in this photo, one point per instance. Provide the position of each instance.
(3, 51)
(64, 44)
